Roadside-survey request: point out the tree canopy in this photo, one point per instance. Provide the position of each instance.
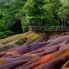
(34, 13)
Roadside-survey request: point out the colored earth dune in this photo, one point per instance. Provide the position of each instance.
(35, 50)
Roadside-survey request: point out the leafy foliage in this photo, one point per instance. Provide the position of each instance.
(8, 12)
(35, 13)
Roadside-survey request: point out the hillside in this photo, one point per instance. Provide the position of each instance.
(40, 51)
(34, 34)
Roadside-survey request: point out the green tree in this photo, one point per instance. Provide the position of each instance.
(41, 13)
(8, 13)
(33, 13)
(63, 13)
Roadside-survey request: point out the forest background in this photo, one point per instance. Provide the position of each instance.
(17, 15)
